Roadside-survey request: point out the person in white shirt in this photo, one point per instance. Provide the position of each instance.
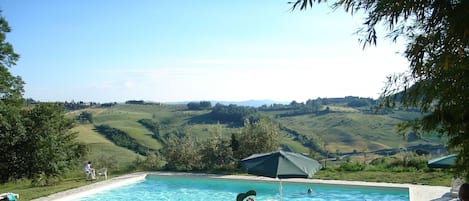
(89, 171)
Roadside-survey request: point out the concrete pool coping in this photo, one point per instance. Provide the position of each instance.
(416, 192)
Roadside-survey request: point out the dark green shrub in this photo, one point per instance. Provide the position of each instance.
(351, 167)
(408, 163)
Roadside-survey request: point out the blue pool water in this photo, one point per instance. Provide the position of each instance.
(186, 188)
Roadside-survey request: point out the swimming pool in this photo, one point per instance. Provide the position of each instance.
(189, 188)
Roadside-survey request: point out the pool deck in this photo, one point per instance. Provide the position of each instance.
(416, 192)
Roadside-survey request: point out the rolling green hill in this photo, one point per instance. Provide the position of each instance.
(100, 146)
(341, 129)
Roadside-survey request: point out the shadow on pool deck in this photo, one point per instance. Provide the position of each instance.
(416, 192)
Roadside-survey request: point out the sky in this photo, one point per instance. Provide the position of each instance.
(170, 51)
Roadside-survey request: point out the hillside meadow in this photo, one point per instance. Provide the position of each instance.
(343, 131)
(346, 141)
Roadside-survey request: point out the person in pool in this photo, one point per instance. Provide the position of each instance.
(464, 192)
(310, 191)
(246, 196)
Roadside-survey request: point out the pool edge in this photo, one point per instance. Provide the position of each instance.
(416, 192)
(83, 191)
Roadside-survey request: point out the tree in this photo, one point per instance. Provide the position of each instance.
(314, 105)
(234, 144)
(85, 117)
(232, 113)
(152, 162)
(325, 144)
(11, 102)
(258, 137)
(202, 105)
(34, 141)
(183, 153)
(437, 80)
(49, 146)
(216, 151)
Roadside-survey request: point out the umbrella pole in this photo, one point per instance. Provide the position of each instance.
(280, 188)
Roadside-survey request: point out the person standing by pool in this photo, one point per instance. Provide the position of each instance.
(89, 171)
(464, 192)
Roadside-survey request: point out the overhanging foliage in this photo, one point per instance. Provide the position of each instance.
(437, 80)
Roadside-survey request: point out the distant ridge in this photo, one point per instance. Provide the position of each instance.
(258, 103)
(251, 103)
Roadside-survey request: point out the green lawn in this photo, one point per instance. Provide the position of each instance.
(438, 178)
(28, 192)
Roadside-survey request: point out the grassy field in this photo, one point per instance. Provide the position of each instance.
(438, 178)
(69, 181)
(344, 129)
(350, 131)
(100, 146)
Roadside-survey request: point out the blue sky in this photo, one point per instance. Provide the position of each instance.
(118, 50)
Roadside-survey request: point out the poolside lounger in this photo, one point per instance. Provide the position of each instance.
(102, 172)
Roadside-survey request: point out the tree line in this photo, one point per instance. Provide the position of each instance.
(153, 127)
(121, 138)
(187, 153)
(232, 113)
